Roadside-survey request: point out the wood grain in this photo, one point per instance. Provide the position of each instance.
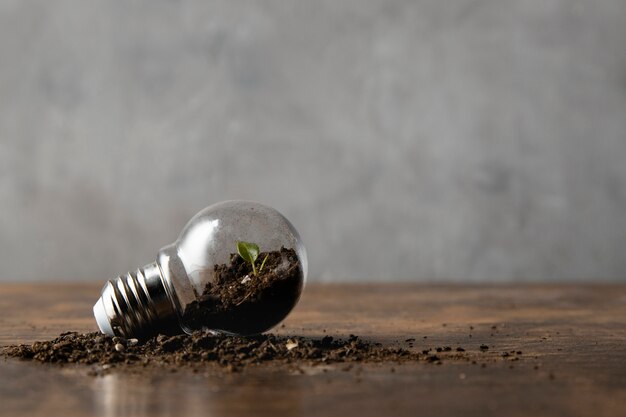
(572, 338)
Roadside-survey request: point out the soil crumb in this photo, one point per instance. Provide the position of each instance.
(238, 301)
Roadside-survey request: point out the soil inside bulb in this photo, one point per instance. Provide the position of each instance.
(238, 301)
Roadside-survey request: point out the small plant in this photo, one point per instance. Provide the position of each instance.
(249, 252)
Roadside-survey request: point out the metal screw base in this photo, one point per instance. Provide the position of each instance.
(136, 305)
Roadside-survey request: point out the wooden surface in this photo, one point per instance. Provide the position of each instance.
(572, 338)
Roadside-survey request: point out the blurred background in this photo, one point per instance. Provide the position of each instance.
(465, 140)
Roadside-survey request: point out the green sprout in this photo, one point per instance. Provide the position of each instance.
(249, 252)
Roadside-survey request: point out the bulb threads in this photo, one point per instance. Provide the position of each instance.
(136, 305)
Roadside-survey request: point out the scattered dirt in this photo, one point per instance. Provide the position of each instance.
(237, 301)
(202, 350)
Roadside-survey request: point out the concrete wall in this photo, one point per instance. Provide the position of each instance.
(406, 140)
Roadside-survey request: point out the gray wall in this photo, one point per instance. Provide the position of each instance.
(406, 140)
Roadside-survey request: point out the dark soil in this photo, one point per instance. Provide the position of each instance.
(204, 351)
(237, 301)
(231, 353)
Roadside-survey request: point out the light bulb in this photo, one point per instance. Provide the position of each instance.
(204, 281)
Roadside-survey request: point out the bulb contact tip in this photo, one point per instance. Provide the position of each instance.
(102, 318)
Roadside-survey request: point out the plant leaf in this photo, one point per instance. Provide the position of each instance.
(248, 251)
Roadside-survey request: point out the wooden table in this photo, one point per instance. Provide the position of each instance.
(572, 338)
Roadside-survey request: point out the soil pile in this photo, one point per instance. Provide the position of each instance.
(203, 348)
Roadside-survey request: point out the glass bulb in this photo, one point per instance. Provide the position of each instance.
(238, 267)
